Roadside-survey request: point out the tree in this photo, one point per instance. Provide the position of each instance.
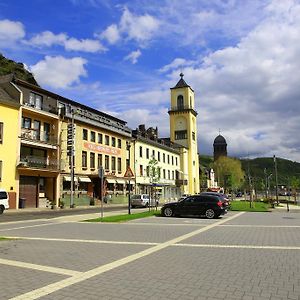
(229, 172)
(154, 175)
(295, 184)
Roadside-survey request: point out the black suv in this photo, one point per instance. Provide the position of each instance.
(210, 206)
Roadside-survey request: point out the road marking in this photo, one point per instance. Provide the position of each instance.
(46, 290)
(38, 267)
(82, 241)
(239, 246)
(30, 226)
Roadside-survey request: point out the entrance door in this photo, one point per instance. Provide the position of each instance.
(29, 190)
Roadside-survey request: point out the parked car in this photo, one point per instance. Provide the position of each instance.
(208, 205)
(142, 200)
(3, 200)
(222, 196)
(239, 194)
(183, 196)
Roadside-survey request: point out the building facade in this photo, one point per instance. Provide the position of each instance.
(183, 131)
(148, 149)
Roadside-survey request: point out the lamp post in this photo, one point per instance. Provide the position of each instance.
(276, 179)
(128, 146)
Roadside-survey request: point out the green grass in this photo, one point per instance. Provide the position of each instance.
(245, 206)
(126, 217)
(3, 238)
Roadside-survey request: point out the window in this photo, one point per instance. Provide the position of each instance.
(93, 136)
(92, 160)
(119, 143)
(113, 141)
(147, 153)
(148, 171)
(100, 138)
(1, 133)
(181, 135)
(106, 162)
(37, 130)
(141, 170)
(164, 157)
(0, 170)
(99, 160)
(119, 165)
(26, 122)
(46, 132)
(173, 175)
(84, 134)
(193, 136)
(113, 164)
(141, 151)
(35, 100)
(180, 102)
(164, 174)
(176, 161)
(153, 153)
(172, 160)
(84, 159)
(107, 140)
(158, 156)
(169, 174)
(168, 159)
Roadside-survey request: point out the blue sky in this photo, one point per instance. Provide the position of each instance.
(240, 56)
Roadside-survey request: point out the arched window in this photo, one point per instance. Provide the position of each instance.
(190, 101)
(180, 102)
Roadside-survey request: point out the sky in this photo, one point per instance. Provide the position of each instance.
(241, 57)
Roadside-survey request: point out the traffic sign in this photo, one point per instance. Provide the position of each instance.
(128, 172)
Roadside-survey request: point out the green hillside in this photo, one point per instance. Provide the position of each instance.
(285, 168)
(8, 66)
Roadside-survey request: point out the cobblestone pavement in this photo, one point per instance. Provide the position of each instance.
(239, 256)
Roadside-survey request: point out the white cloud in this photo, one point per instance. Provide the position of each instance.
(175, 64)
(133, 56)
(10, 32)
(48, 39)
(58, 71)
(111, 34)
(139, 28)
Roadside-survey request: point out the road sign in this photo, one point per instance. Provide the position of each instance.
(128, 172)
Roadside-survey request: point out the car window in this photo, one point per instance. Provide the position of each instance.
(3, 195)
(135, 197)
(145, 196)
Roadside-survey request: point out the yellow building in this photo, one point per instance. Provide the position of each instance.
(9, 144)
(183, 131)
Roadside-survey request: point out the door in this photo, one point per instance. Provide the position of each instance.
(29, 190)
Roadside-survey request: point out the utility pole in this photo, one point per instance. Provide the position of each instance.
(128, 146)
(276, 179)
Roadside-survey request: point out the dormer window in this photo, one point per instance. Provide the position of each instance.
(180, 102)
(35, 100)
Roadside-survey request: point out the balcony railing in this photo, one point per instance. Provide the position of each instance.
(183, 108)
(38, 162)
(43, 107)
(38, 136)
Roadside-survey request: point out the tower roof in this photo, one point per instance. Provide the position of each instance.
(181, 83)
(220, 140)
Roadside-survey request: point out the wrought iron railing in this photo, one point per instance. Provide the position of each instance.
(44, 107)
(38, 135)
(38, 162)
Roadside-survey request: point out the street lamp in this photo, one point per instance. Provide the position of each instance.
(128, 146)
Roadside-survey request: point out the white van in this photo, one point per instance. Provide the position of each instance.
(3, 200)
(142, 200)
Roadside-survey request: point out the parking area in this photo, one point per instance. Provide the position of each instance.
(238, 256)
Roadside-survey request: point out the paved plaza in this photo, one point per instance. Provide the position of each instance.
(239, 256)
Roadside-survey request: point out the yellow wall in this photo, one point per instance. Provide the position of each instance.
(9, 149)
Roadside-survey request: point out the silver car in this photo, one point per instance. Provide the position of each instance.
(142, 200)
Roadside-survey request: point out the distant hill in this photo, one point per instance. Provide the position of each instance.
(8, 66)
(285, 168)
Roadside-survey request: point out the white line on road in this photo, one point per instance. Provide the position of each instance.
(43, 291)
(38, 267)
(239, 246)
(260, 226)
(82, 241)
(30, 226)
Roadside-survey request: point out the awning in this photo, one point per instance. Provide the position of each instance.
(84, 179)
(68, 178)
(110, 180)
(120, 181)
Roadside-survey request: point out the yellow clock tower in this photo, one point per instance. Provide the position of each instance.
(183, 131)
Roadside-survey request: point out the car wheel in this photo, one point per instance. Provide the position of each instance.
(210, 213)
(132, 206)
(1, 210)
(147, 204)
(168, 212)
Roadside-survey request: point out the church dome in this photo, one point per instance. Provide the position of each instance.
(220, 140)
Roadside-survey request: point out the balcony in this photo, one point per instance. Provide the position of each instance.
(34, 135)
(182, 108)
(43, 107)
(38, 162)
